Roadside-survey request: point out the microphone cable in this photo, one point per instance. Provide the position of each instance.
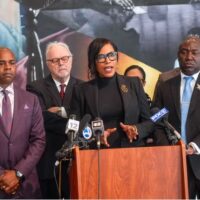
(60, 179)
(58, 163)
(59, 182)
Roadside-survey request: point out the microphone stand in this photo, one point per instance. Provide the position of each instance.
(99, 164)
(99, 173)
(171, 137)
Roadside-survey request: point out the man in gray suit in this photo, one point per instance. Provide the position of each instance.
(22, 136)
(171, 94)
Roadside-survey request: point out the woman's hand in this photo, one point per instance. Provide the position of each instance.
(130, 130)
(106, 134)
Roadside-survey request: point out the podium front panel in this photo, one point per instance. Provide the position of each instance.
(148, 172)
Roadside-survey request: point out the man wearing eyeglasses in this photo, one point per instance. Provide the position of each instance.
(54, 93)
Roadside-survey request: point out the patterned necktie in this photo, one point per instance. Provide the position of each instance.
(185, 103)
(62, 91)
(6, 112)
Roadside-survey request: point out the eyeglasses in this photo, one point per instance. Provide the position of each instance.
(64, 59)
(101, 58)
(3, 63)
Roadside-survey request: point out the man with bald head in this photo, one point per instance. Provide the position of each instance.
(181, 96)
(22, 136)
(54, 93)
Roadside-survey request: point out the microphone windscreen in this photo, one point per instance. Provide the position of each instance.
(154, 110)
(72, 116)
(158, 115)
(84, 121)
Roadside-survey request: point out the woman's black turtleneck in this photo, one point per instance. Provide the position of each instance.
(110, 107)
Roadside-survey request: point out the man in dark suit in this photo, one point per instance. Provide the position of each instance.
(23, 141)
(171, 94)
(54, 93)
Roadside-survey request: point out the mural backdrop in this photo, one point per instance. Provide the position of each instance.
(146, 32)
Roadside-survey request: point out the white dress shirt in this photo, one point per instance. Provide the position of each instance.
(62, 112)
(10, 90)
(195, 76)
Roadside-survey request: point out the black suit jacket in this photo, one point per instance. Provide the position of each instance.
(168, 95)
(55, 125)
(135, 106)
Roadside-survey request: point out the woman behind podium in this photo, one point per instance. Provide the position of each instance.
(118, 100)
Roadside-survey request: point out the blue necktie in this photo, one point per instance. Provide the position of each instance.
(185, 103)
(6, 112)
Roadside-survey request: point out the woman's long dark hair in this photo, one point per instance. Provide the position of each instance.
(93, 50)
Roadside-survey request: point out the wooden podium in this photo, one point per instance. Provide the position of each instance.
(144, 172)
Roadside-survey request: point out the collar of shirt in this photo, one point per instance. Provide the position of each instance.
(195, 76)
(58, 83)
(10, 90)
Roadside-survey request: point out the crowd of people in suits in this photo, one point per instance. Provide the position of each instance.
(33, 122)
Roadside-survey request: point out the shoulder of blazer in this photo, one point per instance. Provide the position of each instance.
(41, 86)
(169, 74)
(173, 80)
(40, 82)
(89, 83)
(81, 87)
(23, 93)
(127, 78)
(132, 81)
(74, 80)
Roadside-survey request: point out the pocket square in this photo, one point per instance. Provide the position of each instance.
(26, 107)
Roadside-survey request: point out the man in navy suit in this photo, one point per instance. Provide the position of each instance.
(23, 143)
(55, 105)
(170, 93)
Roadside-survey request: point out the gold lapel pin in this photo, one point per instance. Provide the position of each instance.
(124, 88)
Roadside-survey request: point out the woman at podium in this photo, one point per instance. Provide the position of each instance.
(118, 100)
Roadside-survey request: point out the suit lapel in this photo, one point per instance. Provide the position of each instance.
(52, 89)
(2, 129)
(125, 94)
(195, 97)
(91, 96)
(15, 122)
(175, 91)
(68, 93)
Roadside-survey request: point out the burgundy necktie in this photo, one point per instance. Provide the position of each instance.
(62, 91)
(6, 112)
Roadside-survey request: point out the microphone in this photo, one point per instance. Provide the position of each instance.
(163, 114)
(98, 129)
(87, 132)
(74, 138)
(64, 151)
(158, 114)
(85, 128)
(84, 124)
(72, 128)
